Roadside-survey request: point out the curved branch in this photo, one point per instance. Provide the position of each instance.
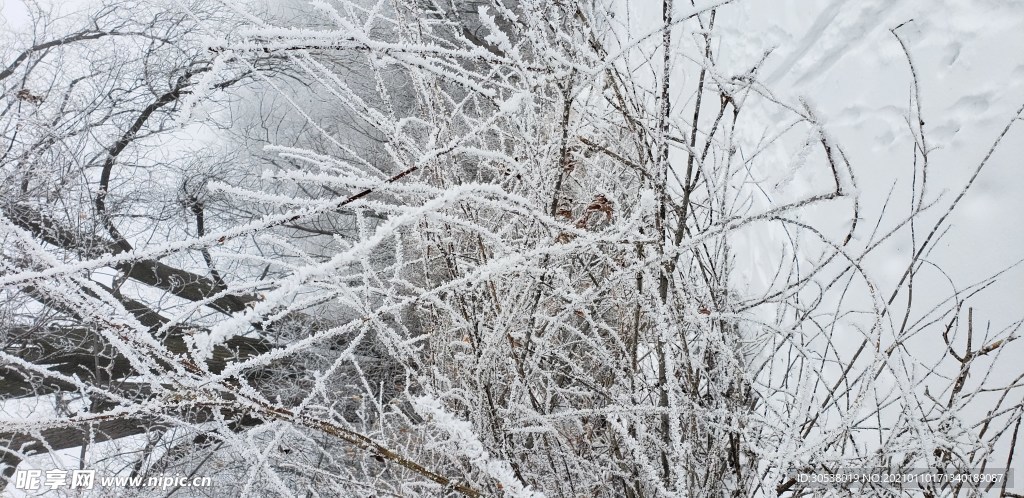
(197, 209)
(118, 148)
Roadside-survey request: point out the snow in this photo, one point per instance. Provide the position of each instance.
(822, 132)
(466, 443)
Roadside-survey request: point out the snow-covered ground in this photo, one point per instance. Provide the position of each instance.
(841, 56)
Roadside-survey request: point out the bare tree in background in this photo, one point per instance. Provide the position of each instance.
(475, 248)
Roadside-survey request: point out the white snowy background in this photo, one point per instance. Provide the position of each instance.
(969, 57)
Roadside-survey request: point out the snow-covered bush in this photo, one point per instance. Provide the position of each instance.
(475, 248)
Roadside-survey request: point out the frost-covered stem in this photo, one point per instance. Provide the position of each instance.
(920, 147)
(920, 139)
(635, 337)
(1009, 454)
(563, 146)
(197, 209)
(688, 177)
(660, 222)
